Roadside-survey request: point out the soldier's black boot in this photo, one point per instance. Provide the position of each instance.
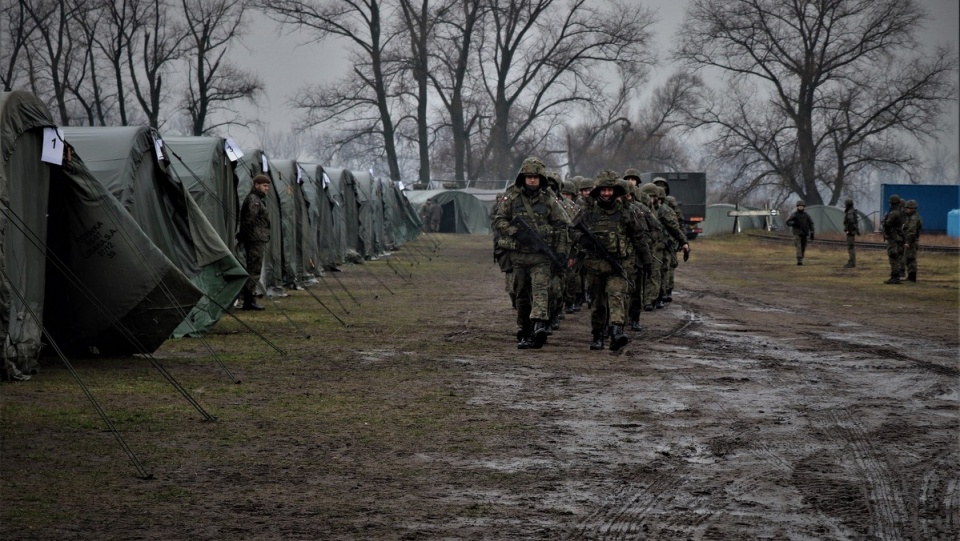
(597, 340)
(850, 265)
(894, 278)
(912, 276)
(660, 304)
(251, 304)
(539, 333)
(635, 325)
(669, 296)
(648, 307)
(524, 338)
(569, 308)
(617, 338)
(555, 323)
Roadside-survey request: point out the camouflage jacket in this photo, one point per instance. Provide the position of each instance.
(851, 221)
(893, 224)
(254, 218)
(801, 222)
(671, 226)
(911, 228)
(547, 217)
(619, 230)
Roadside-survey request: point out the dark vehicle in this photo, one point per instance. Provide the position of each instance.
(690, 189)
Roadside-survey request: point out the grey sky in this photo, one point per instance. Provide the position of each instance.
(285, 65)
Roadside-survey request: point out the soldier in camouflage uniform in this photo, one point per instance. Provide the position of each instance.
(674, 260)
(572, 287)
(254, 234)
(559, 241)
(616, 227)
(911, 238)
(676, 241)
(527, 199)
(851, 225)
(802, 225)
(651, 233)
(893, 234)
(651, 283)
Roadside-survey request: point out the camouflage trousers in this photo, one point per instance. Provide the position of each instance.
(910, 258)
(895, 256)
(253, 255)
(851, 250)
(531, 286)
(800, 244)
(571, 286)
(638, 279)
(651, 285)
(610, 293)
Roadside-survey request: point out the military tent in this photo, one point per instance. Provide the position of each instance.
(828, 219)
(130, 162)
(369, 215)
(318, 192)
(71, 257)
(299, 251)
(345, 190)
(462, 212)
(253, 163)
(717, 221)
(401, 222)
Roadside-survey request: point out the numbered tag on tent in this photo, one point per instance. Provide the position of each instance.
(400, 185)
(233, 151)
(326, 181)
(264, 164)
(52, 146)
(158, 145)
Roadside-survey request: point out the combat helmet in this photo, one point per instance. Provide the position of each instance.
(910, 204)
(553, 180)
(800, 203)
(848, 202)
(672, 202)
(632, 173)
(649, 189)
(587, 183)
(662, 182)
(531, 166)
(568, 186)
(894, 199)
(607, 179)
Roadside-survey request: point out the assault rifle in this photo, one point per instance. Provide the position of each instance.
(592, 243)
(527, 234)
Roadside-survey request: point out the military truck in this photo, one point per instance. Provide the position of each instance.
(690, 189)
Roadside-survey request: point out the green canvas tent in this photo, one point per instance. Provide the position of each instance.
(828, 219)
(320, 210)
(299, 252)
(717, 222)
(253, 163)
(72, 257)
(345, 189)
(129, 161)
(369, 215)
(401, 222)
(462, 212)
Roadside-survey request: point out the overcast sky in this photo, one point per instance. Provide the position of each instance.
(285, 64)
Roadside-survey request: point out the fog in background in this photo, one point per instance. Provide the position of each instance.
(286, 62)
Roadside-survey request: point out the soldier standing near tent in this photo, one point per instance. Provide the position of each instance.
(426, 212)
(851, 224)
(893, 234)
(254, 234)
(436, 213)
(911, 238)
(528, 216)
(802, 225)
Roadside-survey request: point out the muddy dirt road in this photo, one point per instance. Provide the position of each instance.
(756, 406)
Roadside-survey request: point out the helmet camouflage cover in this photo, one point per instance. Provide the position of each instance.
(569, 187)
(632, 173)
(661, 192)
(531, 166)
(662, 182)
(910, 204)
(587, 183)
(607, 179)
(649, 189)
(894, 199)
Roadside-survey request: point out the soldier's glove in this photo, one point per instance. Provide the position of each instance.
(648, 269)
(510, 231)
(686, 256)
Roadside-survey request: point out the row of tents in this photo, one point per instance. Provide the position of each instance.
(112, 240)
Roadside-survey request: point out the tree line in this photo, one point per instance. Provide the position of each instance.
(784, 97)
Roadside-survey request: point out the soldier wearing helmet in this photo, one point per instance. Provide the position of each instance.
(528, 201)
(254, 234)
(614, 227)
(586, 184)
(911, 238)
(802, 225)
(893, 234)
(851, 225)
(652, 231)
(668, 279)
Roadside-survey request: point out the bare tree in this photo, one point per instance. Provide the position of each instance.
(154, 47)
(450, 58)
(545, 58)
(214, 83)
(360, 104)
(816, 90)
(14, 37)
(112, 33)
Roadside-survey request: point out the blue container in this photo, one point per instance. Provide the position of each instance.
(953, 223)
(935, 202)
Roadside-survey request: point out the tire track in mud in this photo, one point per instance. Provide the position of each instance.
(893, 355)
(944, 489)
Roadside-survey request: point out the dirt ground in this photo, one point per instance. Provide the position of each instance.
(760, 404)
